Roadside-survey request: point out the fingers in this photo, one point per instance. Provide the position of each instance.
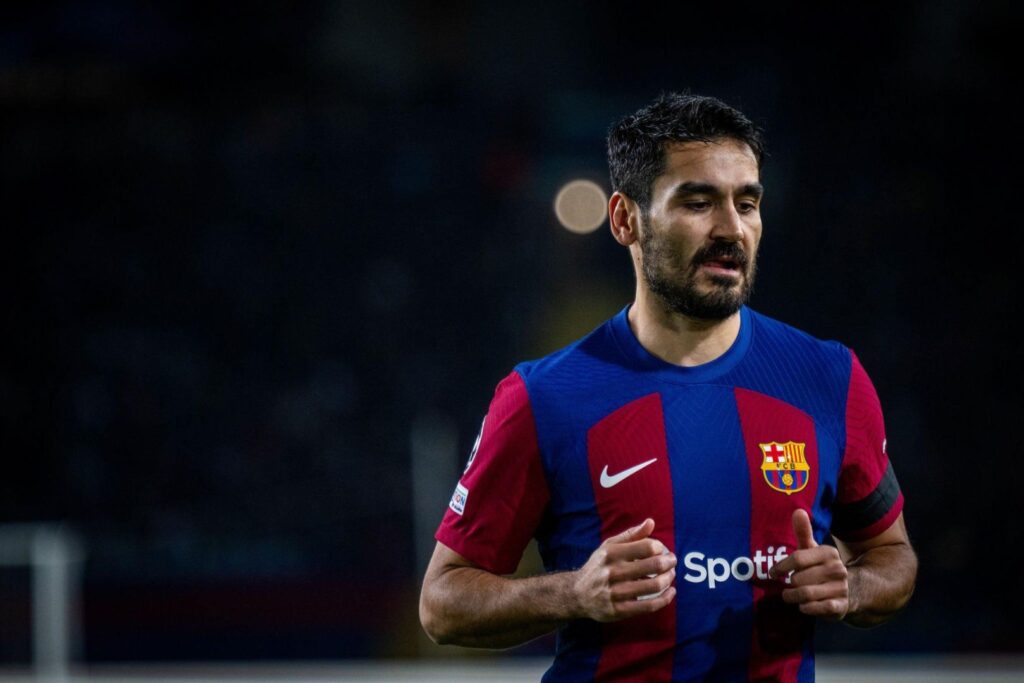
(818, 578)
(833, 609)
(642, 568)
(630, 574)
(642, 530)
(634, 543)
(637, 550)
(802, 558)
(822, 573)
(634, 590)
(634, 607)
(830, 609)
(816, 592)
(805, 559)
(803, 529)
(821, 591)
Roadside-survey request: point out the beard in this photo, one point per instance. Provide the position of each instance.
(675, 282)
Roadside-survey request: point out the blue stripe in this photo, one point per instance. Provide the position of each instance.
(806, 672)
(575, 662)
(710, 473)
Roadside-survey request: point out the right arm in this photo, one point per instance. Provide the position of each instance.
(463, 604)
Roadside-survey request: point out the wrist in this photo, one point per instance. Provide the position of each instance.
(572, 596)
(852, 593)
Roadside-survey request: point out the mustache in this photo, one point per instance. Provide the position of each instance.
(721, 250)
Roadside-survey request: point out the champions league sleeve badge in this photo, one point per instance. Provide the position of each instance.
(458, 501)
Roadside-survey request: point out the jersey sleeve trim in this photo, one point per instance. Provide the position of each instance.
(872, 514)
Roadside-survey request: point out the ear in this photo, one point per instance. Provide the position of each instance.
(624, 217)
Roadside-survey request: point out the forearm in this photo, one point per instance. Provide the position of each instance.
(629, 574)
(474, 608)
(881, 582)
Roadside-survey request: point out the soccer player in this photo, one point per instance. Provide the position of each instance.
(683, 465)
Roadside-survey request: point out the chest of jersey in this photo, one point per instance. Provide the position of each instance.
(720, 469)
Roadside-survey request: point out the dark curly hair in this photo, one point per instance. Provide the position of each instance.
(636, 143)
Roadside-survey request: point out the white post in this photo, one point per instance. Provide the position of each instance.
(54, 557)
(50, 604)
(434, 444)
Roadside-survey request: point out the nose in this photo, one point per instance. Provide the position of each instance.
(728, 224)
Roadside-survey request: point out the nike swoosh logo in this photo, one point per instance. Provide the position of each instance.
(608, 481)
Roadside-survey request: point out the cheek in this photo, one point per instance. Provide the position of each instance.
(681, 242)
(680, 253)
(754, 236)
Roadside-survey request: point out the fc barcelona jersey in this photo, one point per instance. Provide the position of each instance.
(593, 439)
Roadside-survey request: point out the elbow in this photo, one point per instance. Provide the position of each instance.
(432, 619)
(433, 627)
(909, 580)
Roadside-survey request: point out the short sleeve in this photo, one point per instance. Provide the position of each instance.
(501, 497)
(869, 499)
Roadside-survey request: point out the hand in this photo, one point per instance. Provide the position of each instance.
(619, 572)
(820, 581)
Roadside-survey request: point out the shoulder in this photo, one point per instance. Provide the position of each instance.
(573, 362)
(800, 369)
(800, 351)
(560, 384)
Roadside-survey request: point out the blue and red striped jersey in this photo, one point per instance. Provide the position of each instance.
(591, 440)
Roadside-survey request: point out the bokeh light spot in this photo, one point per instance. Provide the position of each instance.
(581, 206)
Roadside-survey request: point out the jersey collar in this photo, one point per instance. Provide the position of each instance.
(643, 359)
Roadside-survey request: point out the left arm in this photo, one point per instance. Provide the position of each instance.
(882, 571)
(864, 583)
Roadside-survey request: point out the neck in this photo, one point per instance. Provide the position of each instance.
(676, 338)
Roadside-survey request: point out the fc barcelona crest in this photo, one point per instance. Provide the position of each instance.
(784, 466)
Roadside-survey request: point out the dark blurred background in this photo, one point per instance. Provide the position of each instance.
(254, 256)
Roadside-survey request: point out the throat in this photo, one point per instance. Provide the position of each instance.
(678, 339)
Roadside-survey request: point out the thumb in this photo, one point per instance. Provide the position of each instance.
(642, 530)
(802, 527)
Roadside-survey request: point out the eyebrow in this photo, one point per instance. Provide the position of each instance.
(690, 187)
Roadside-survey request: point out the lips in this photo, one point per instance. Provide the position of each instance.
(723, 257)
(723, 264)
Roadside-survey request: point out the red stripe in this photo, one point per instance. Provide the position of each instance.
(780, 630)
(640, 648)
(864, 461)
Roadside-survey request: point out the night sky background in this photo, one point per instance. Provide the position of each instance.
(248, 250)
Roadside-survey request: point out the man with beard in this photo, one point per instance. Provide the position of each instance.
(683, 465)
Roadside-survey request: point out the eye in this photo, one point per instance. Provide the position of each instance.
(747, 207)
(698, 205)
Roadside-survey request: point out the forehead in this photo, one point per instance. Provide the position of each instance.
(726, 164)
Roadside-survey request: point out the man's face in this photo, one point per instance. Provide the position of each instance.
(698, 241)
